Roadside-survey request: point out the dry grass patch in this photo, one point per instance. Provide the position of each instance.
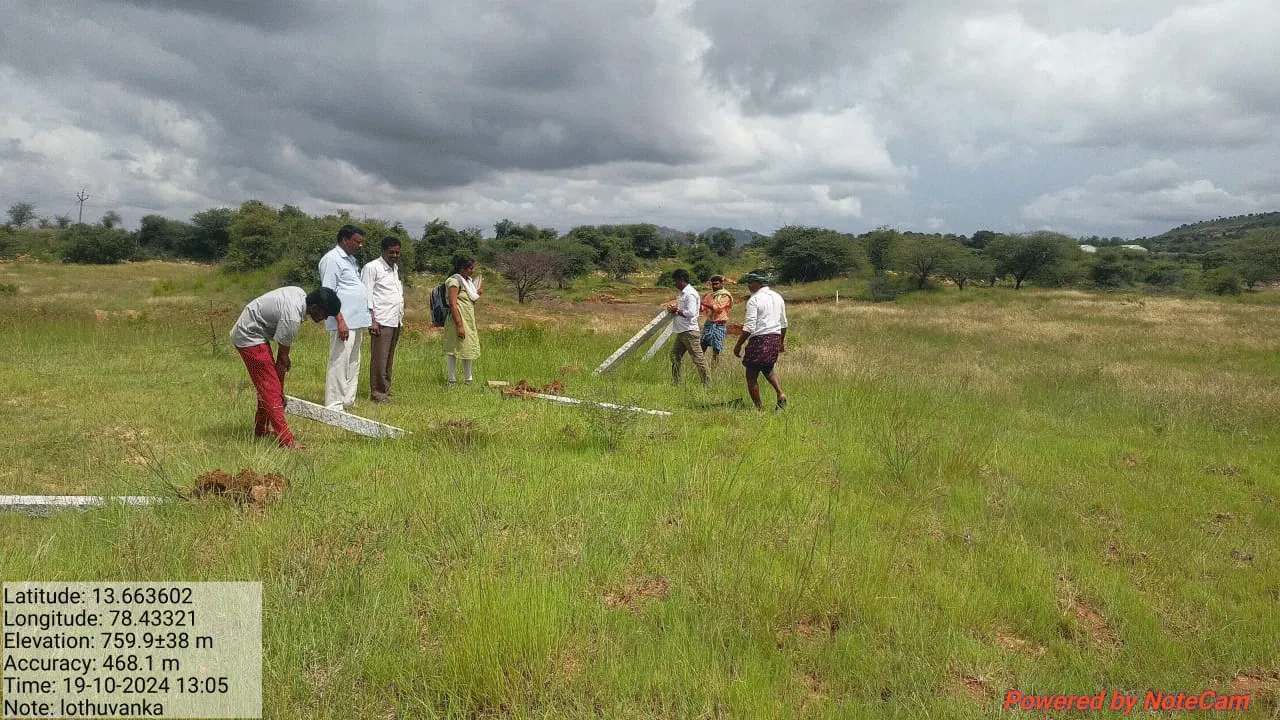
(637, 592)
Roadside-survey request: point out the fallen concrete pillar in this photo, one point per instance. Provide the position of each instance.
(659, 321)
(662, 340)
(340, 419)
(44, 505)
(575, 401)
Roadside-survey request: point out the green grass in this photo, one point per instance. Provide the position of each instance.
(958, 477)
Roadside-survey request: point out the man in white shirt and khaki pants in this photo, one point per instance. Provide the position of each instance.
(685, 331)
(381, 278)
(765, 334)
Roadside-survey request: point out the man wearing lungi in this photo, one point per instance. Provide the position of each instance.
(765, 334)
(716, 304)
(277, 316)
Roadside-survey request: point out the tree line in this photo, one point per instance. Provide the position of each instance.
(289, 242)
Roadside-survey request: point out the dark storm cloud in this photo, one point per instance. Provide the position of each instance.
(430, 99)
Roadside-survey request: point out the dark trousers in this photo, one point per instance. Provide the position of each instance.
(383, 347)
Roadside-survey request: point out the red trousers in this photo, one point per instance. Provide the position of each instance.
(262, 371)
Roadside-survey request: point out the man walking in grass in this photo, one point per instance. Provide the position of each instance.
(716, 304)
(381, 279)
(277, 316)
(340, 272)
(687, 307)
(765, 335)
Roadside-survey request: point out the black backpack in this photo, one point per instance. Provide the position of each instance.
(439, 305)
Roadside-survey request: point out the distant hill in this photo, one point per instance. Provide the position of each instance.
(1202, 237)
(742, 237)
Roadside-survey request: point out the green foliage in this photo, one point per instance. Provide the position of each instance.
(1256, 256)
(1025, 256)
(161, 237)
(441, 244)
(97, 245)
(619, 261)
(1222, 281)
(920, 256)
(255, 238)
(883, 288)
(8, 289)
(21, 213)
(1164, 274)
(111, 219)
(211, 237)
(1197, 239)
(722, 243)
(967, 266)
(579, 259)
(1114, 268)
(806, 254)
(879, 245)
(981, 239)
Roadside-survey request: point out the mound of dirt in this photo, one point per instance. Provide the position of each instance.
(246, 488)
(523, 387)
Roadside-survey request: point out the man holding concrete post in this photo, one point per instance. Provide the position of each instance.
(278, 316)
(685, 338)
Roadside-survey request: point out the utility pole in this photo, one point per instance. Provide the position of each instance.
(81, 196)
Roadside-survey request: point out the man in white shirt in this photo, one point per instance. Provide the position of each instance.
(277, 316)
(340, 272)
(765, 335)
(685, 337)
(381, 278)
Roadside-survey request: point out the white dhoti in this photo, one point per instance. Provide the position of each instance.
(344, 369)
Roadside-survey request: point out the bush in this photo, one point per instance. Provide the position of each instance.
(665, 280)
(806, 254)
(887, 289)
(92, 245)
(703, 270)
(8, 289)
(1223, 281)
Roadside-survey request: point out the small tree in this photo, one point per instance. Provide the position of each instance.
(111, 219)
(619, 261)
(1023, 256)
(879, 246)
(965, 266)
(805, 254)
(528, 269)
(21, 213)
(920, 256)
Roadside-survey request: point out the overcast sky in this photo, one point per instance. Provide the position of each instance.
(1110, 117)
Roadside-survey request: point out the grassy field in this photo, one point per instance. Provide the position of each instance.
(1055, 492)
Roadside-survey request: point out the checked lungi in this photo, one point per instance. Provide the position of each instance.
(269, 419)
(713, 335)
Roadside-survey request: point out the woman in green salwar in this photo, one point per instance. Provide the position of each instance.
(461, 337)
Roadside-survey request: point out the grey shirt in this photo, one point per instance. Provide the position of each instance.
(276, 315)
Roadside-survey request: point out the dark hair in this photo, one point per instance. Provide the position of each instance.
(327, 299)
(347, 231)
(390, 241)
(679, 275)
(716, 278)
(461, 262)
